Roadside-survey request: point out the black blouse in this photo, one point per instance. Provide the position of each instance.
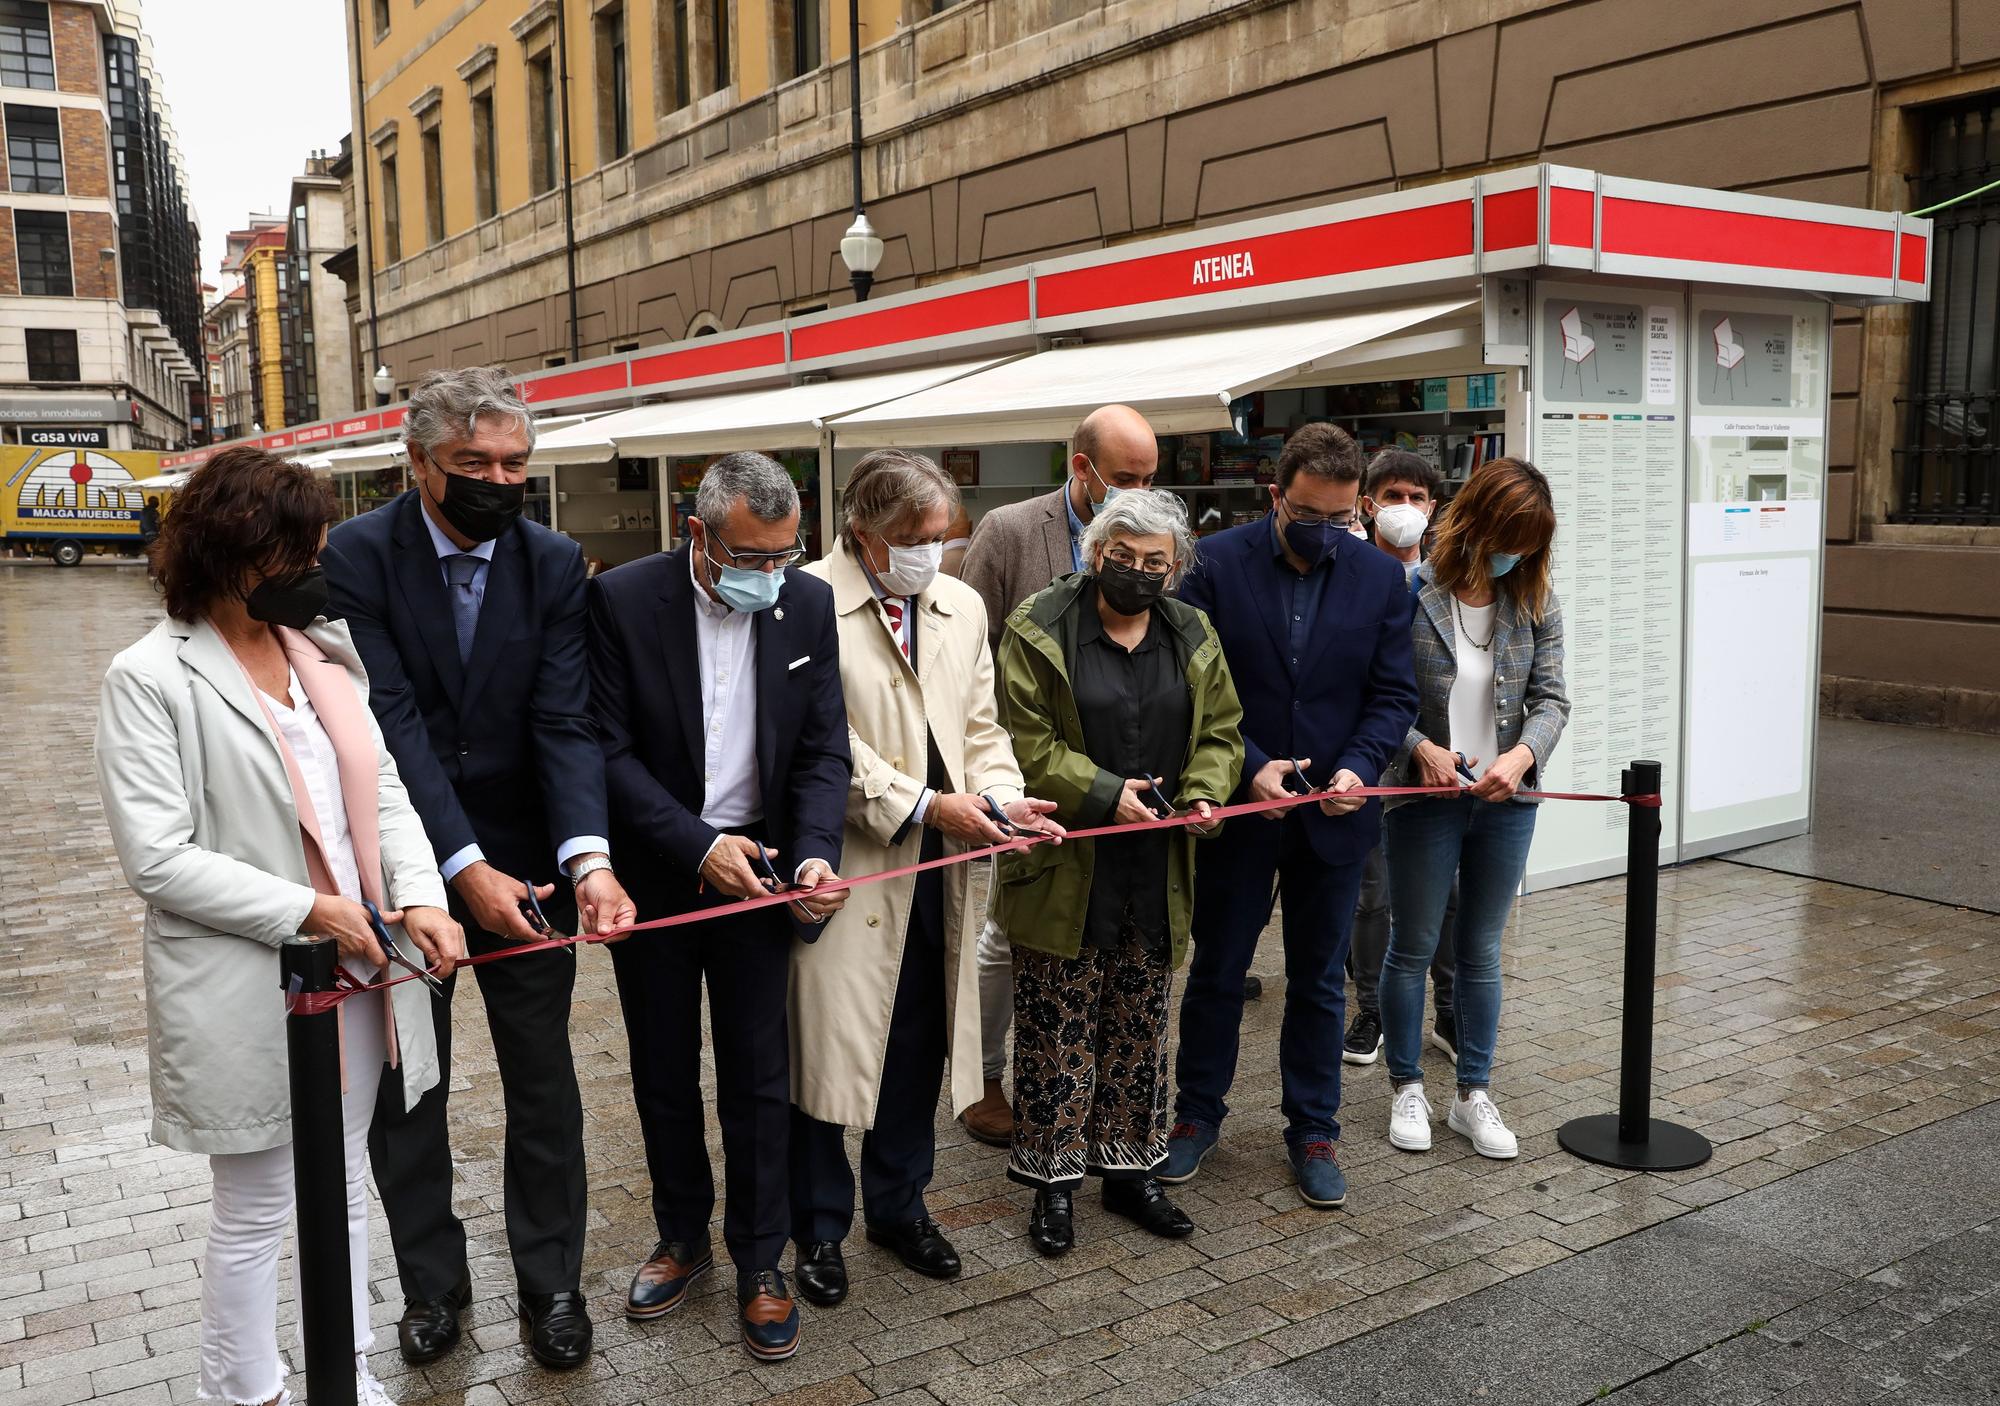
(1137, 715)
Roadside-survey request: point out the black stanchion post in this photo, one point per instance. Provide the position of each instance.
(319, 1171)
(1632, 1139)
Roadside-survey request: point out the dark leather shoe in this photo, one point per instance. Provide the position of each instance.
(770, 1318)
(920, 1245)
(1050, 1227)
(429, 1327)
(821, 1271)
(1145, 1204)
(558, 1329)
(664, 1280)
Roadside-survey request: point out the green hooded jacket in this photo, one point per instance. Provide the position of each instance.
(1042, 894)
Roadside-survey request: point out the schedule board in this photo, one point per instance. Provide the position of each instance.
(1756, 533)
(1607, 423)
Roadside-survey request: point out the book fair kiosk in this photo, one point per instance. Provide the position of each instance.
(1661, 352)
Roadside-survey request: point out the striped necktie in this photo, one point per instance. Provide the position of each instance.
(892, 606)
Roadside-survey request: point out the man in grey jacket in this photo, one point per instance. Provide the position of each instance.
(1016, 551)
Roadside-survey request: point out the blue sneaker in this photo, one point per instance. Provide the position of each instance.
(1187, 1145)
(1321, 1182)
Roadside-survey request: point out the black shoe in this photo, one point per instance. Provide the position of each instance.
(1051, 1229)
(429, 1327)
(920, 1245)
(663, 1281)
(1145, 1204)
(1444, 1034)
(770, 1318)
(1253, 988)
(821, 1271)
(558, 1329)
(1364, 1039)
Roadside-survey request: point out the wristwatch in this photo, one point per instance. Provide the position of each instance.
(586, 867)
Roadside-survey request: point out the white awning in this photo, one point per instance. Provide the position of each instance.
(355, 458)
(776, 417)
(1181, 383)
(167, 481)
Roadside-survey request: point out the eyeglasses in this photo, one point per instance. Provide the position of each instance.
(1340, 520)
(1125, 559)
(759, 561)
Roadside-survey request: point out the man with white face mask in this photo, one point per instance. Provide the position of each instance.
(892, 989)
(1401, 493)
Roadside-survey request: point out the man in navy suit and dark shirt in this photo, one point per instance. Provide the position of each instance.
(715, 682)
(1315, 624)
(470, 621)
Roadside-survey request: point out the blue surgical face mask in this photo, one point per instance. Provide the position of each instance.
(1110, 492)
(1498, 564)
(743, 589)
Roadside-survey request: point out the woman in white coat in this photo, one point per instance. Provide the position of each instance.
(251, 800)
(890, 991)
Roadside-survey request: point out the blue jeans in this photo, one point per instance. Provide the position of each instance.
(1429, 843)
(1232, 900)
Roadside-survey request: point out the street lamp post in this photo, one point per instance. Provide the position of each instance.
(860, 247)
(383, 383)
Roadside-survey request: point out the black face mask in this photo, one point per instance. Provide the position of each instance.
(1128, 590)
(295, 601)
(478, 509)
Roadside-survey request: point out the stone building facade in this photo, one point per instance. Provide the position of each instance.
(709, 186)
(100, 323)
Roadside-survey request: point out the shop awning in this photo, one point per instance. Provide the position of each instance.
(1182, 383)
(777, 417)
(167, 481)
(355, 458)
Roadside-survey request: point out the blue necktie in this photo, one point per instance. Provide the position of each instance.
(460, 572)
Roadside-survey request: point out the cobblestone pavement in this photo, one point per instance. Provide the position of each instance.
(1797, 1021)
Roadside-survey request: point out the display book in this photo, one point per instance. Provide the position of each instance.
(1450, 421)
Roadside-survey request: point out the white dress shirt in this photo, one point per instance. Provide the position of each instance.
(313, 750)
(1474, 726)
(726, 641)
(472, 854)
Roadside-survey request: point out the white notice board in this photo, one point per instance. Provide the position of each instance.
(1607, 424)
(1756, 533)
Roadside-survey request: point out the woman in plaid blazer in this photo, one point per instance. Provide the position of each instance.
(1487, 641)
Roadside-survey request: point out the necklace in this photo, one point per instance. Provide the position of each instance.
(1458, 618)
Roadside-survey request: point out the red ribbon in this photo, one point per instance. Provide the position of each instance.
(319, 1002)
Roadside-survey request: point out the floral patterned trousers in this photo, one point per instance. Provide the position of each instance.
(1090, 1064)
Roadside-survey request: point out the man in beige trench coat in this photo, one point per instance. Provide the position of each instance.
(889, 993)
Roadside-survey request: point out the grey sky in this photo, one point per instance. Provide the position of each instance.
(255, 87)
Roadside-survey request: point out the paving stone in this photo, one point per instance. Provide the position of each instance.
(1797, 1022)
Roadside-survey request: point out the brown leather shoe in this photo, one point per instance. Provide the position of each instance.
(991, 1120)
(770, 1318)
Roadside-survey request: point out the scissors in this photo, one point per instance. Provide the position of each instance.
(394, 953)
(1154, 801)
(531, 909)
(999, 818)
(1295, 781)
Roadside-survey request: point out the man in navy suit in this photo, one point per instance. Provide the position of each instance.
(715, 683)
(1315, 624)
(470, 621)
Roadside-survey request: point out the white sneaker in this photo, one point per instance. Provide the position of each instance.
(367, 1390)
(1473, 1116)
(1410, 1119)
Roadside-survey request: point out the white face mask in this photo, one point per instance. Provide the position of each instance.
(1401, 525)
(911, 569)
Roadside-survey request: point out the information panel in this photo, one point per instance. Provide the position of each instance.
(1607, 424)
(1756, 485)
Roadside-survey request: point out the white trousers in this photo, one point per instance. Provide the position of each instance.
(248, 1216)
(995, 962)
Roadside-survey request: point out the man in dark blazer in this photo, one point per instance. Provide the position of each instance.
(470, 621)
(715, 683)
(1315, 624)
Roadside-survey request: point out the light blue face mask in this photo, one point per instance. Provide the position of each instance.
(746, 590)
(1498, 564)
(1110, 492)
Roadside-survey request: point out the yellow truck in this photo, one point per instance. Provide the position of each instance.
(65, 502)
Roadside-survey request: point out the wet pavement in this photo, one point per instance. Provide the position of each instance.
(1798, 1022)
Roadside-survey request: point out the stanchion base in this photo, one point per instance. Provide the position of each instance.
(1668, 1146)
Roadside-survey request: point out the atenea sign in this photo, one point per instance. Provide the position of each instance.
(1223, 268)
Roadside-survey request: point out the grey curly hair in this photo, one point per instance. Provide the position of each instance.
(1144, 512)
(448, 405)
